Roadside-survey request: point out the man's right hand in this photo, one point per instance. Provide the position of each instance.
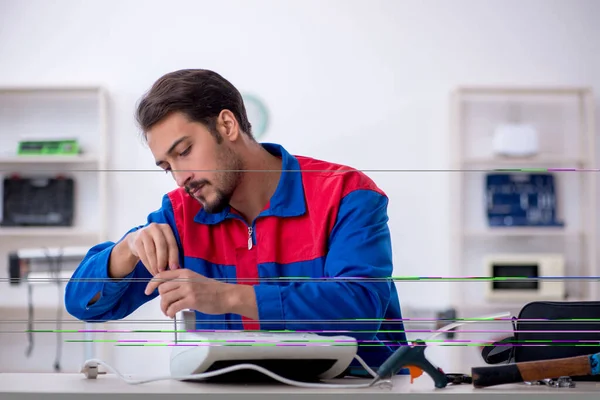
(155, 246)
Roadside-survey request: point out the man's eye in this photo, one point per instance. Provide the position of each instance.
(185, 152)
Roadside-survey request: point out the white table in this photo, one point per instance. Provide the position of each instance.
(51, 386)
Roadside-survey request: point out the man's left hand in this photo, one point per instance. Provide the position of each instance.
(183, 289)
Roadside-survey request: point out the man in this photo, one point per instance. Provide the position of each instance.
(248, 224)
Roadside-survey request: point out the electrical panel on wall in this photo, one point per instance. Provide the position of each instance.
(521, 200)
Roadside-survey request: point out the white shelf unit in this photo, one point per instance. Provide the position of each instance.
(565, 122)
(55, 112)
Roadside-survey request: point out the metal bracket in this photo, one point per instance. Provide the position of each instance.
(189, 320)
(185, 323)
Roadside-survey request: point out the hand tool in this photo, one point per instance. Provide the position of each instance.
(535, 370)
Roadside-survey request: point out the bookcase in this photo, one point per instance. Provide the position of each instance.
(50, 113)
(564, 120)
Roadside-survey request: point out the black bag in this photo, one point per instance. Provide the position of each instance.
(547, 330)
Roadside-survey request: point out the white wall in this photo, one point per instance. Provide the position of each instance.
(364, 83)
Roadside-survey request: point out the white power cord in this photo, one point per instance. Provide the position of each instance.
(90, 369)
(457, 324)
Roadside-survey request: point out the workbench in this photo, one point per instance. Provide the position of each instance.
(52, 386)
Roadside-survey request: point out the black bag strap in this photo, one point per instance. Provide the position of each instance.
(498, 352)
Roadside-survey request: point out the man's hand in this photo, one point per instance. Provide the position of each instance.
(155, 246)
(184, 289)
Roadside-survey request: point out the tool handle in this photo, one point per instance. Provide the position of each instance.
(534, 370)
(440, 380)
(419, 360)
(496, 375)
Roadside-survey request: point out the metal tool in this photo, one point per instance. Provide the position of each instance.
(175, 323)
(187, 320)
(561, 382)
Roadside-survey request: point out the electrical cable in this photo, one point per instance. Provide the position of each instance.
(365, 366)
(90, 368)
(30, 344)
(453, 325)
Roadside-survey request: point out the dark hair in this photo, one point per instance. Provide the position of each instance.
(199, 94)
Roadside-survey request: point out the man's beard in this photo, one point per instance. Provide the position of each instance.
(227, 179)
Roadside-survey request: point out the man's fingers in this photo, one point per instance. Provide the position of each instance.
(173, 252)
(150, 253)
(152, 285)
(160, 244)
(177, 306)
(165, 287)
(168, 299)
(161, 278)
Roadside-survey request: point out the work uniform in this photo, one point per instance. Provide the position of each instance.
(325, 221)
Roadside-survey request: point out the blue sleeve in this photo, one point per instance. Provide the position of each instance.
(359, 247)
(118, 298)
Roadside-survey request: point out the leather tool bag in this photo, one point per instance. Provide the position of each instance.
(547, 330)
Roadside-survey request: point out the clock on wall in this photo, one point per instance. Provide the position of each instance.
(257, 114)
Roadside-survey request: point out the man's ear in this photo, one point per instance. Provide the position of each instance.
(227, 126)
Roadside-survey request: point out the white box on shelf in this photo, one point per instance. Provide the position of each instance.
(549, 267)
(516, 140)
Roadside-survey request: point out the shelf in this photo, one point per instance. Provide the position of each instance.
(74, 159)
(43, 311)
(524, 90)
(470, 310)
(45, 231)
(51, 89)
(521, 232)
(517, 163)
(49, 278)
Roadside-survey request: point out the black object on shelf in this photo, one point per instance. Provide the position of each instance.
(38, 202)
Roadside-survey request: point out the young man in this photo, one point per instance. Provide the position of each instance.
(254, 238)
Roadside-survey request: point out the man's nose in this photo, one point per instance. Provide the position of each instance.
(182, 177)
